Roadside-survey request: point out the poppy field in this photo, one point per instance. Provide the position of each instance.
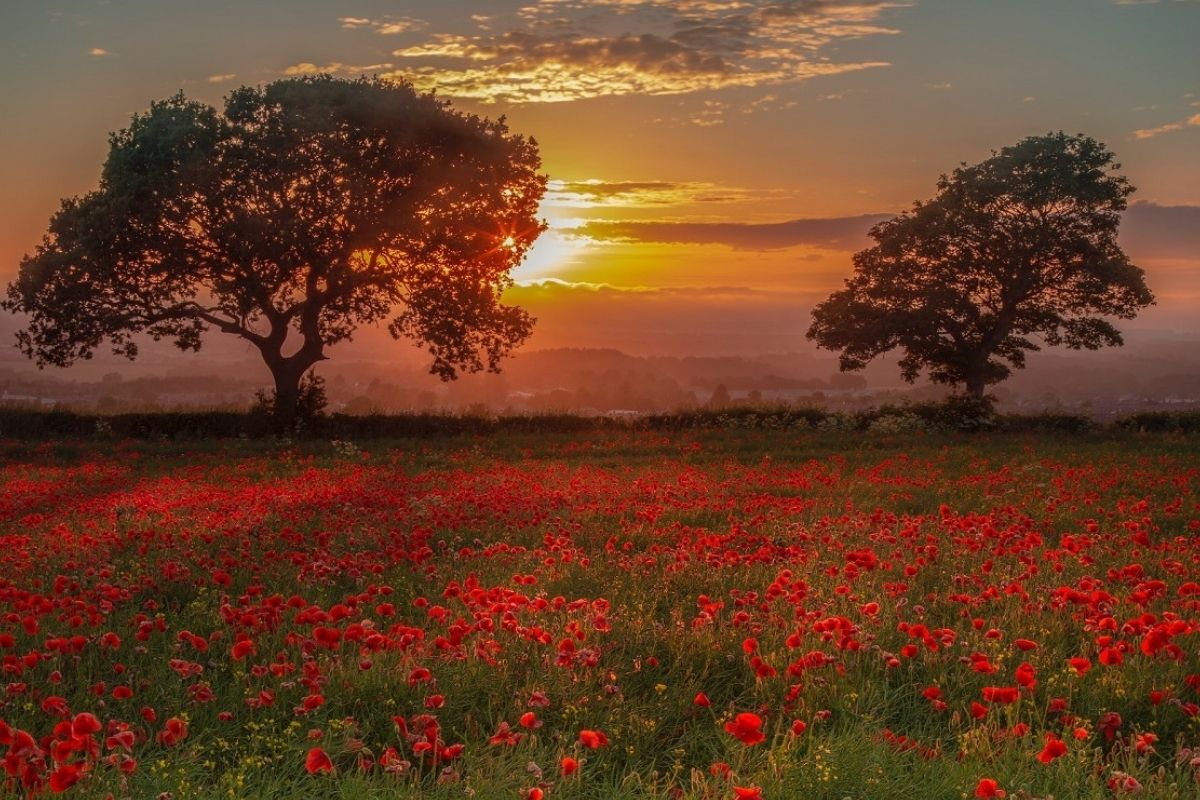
(602, 615)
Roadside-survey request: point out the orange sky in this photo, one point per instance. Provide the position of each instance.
(711, 160)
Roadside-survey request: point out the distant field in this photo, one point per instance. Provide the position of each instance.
(602, 615)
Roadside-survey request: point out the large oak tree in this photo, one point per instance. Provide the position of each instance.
(307, 208)
(1017, 251)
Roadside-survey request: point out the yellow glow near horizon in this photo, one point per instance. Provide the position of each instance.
(553, 255)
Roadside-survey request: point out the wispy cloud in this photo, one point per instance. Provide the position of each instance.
(835, 233)
(561, 50)
(98, 52)
(221, 78)
(1149, 230)
(334, 68)
(556, 285)
(594, 193)
(387, 26)
(1150, 133)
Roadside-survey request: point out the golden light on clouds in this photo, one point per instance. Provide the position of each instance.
(334, 68)
(556, 51)
(1170, 127)
(597, 193)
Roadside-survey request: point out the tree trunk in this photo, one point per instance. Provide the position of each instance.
(287, 395)
(977, 379)
(288, 373)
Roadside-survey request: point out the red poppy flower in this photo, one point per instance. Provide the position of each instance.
(317, 760)
(987, 788)
(1054, 748)
(999, 695)
(746, 728)
(84, 724)
(241, 649)
(1080, 665)
(174, 731)
(65, 777)
(592, 739)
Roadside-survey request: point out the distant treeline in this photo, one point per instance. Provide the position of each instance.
(957, 414)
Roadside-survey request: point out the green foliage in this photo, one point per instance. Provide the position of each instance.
(1022, 245)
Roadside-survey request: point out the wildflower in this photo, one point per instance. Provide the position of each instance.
(988, 788)
(65, 777)
(241, 649)
(174, 731)
(1124, 782)
(505, 735)
(1000, 695)
(592, 739)
(1110, 723)
(317, 760)
(84, 724)
(746, 728)
(1054, 748)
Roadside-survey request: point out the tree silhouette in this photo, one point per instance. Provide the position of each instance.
(309, 207)
(1021, 245)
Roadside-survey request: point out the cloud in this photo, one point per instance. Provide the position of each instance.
(386, 26)
(98, 51)
(221, 78)
(558, 51)
(556, 286)
(595, 193)
(1148, 230)
(835, 233)
(1150, 133)
(334, 68)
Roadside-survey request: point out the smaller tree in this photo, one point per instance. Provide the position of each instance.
(1022, 245)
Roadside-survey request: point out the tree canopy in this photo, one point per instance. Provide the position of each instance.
(1014, 252)
(307, 208)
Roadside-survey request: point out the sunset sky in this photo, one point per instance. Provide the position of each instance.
(713, 163)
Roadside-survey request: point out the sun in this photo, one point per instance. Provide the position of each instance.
(509, 243)
(552, 256)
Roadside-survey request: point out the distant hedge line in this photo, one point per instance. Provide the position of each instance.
(956, 414)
